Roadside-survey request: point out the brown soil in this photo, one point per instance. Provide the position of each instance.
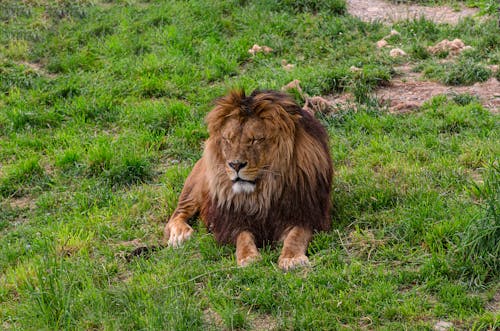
(494, 304)
(25, 202)
(38, 68)
(408, 92)
(384, 11)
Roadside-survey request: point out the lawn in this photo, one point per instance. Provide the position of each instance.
(101, 120)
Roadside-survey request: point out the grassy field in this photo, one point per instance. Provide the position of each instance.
(101, 119)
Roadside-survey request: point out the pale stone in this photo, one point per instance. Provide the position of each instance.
(442, 326)
(382, 43)
(397, 52)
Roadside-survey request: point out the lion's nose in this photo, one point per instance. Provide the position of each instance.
(237, 165)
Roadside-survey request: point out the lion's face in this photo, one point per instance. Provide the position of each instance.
(245, 147)
(250, 148)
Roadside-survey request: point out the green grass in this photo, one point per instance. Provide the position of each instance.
(465, 72)
(101, 120)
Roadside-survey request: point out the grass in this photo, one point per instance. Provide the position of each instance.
(465, 72)
(101, 120)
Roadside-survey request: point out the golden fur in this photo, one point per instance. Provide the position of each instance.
(264, 176)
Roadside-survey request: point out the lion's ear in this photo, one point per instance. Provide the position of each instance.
(232, 100)
(224, 106)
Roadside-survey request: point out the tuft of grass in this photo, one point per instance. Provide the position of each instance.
(52, 291)
(130, 169)
(126, 168)
(419, 52)
(464, 99)
(342, 78)
(312, 6)
(478, 251)
(16, 76)
(23, 176)
(68, 159)
(465, 72)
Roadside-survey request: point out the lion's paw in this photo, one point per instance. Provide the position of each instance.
(177, 233)
(289, 263)
(247, 260)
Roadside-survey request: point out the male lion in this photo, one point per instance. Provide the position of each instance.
(265, 176)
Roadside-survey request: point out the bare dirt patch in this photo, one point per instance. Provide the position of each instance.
(383, 11)
(494, 304)
(407, 91)
(212, 318)
(25, 202)
(263, 322)
(38, 68)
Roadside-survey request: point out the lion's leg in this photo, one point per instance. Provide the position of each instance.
(246, 250)
(294, 249)
(177, 230)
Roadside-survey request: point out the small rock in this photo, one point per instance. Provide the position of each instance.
(393, 33)
(404, 107)
(442, 326)
(455, 47)
(287, 66)
(397, 52)
(382, 43)
(317, 104)
(354, 69)
(294, 84)
(457, 43)
(267, 49)
(257, 49)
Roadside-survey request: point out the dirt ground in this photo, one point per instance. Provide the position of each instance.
(384, 11)
(407, 91)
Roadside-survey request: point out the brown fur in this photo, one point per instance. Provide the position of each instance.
(281, 192)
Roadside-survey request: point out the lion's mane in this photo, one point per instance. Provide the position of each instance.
(296, 189)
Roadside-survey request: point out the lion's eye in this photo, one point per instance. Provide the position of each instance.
(256, 140)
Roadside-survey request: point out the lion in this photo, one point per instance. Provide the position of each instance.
(264, 177)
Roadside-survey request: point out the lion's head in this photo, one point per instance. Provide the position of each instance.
(253, 138)
(256, 145)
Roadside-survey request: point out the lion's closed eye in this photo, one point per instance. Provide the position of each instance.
(257, 140)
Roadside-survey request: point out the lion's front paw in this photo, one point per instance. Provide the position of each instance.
(177, 233)
(289, 263)
(243, 262)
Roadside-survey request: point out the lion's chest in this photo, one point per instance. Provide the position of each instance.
(226, 221)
